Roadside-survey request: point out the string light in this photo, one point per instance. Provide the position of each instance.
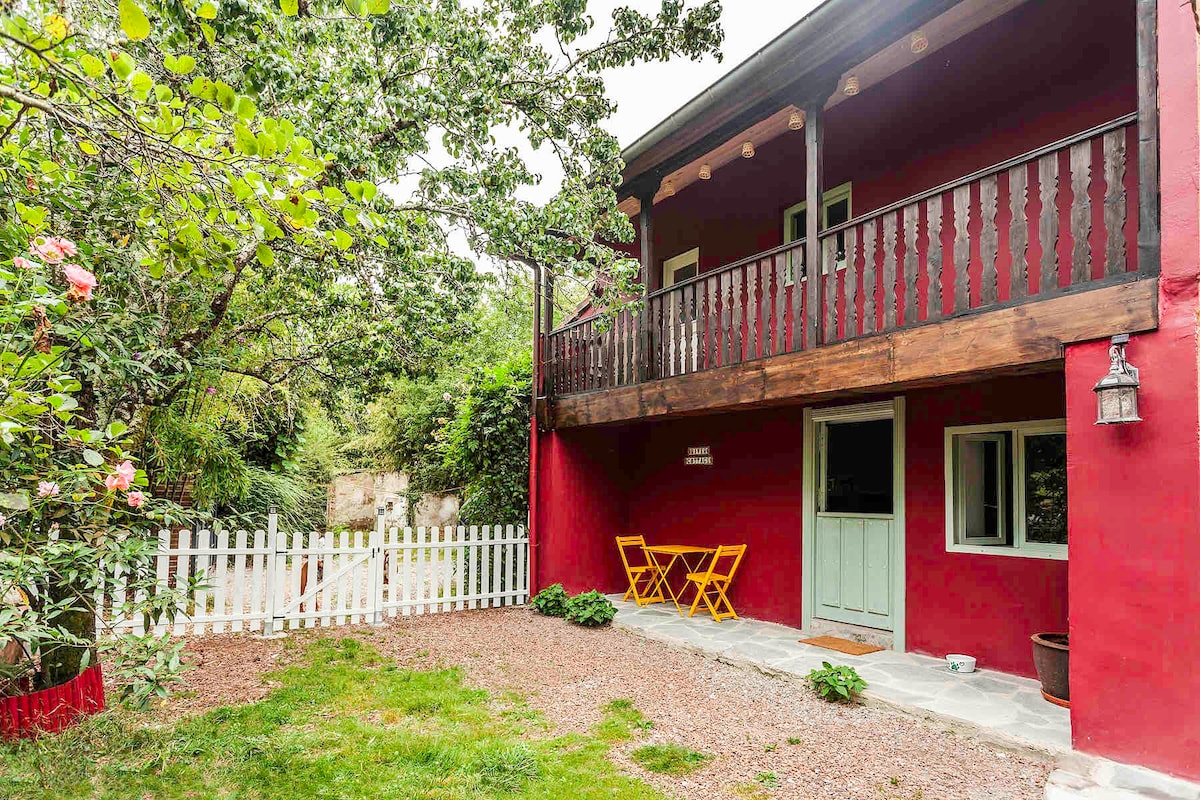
(852, 88)
(705, 172)
(796, 120)
(918, 42)
(748, 150)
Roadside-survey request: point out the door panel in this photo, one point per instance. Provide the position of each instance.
(854, 578)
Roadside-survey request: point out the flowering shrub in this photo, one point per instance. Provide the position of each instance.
(70, 497)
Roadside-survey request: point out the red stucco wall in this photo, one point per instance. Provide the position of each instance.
(985, 605)
(1135, 490)
(599, 483)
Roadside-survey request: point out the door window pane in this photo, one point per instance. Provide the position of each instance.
(858, 467)
(1046, 488)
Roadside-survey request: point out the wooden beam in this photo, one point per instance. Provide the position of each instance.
(1015, 338)
(1149, 248)
(814, 195)
(646, 234)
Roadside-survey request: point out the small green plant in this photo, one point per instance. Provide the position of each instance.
(770, 748)
(837, 684)
(668, 759)
(551, 601)
(768, 779)
(795, 740)
(590, 609)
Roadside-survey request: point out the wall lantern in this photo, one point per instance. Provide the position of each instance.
(705, 172)
(918, 42)
(796, 120)
(668, 188)
(852, 86)
(1116, 392)
(748, 150)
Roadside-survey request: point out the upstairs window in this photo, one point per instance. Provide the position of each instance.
(681, 267)
(1006, 489)
(836, 207)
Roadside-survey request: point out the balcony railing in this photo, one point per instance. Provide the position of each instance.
(1058, 219)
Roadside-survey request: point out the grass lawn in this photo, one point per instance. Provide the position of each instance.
(343, 724)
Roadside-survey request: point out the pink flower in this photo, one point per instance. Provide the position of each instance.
(66, 245)
(136, 499)
(23, 263)
(82, 282)
(121, 478)
(48, 249)
(47, 489)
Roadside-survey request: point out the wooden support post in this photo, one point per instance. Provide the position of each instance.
(814, 135)
(538, 363)
(1148, 167)
(646, 236)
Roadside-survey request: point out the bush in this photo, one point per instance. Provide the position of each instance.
(836, 684)
(590, 609)
(551, 601)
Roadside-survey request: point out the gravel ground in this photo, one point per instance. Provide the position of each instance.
(742, 718)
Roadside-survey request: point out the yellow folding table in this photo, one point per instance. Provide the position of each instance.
(689, 555)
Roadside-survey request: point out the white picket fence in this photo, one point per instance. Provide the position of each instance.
(269, 580)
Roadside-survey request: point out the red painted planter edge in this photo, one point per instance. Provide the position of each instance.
(51, 710)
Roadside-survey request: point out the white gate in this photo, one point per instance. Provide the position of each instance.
(270, 580)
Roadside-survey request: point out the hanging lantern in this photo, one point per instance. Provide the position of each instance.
(918, 42)
(705, 172)
(796, 120)
(668, 188)
(852, 88)
(748, 150)
(1116, 392)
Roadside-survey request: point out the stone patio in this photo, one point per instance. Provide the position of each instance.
(1001, 707)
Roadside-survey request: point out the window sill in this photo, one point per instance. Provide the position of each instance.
(1047, 554)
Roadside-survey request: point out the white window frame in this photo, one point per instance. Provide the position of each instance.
(834, 195)
(675, 263)
(1015, 479)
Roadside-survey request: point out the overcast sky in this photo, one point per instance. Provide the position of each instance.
(647, 94)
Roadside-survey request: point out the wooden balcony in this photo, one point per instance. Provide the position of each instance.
(995, 270)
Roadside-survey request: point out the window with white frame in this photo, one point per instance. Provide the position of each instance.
(681, 267)
(836, 208)
(1006, 489)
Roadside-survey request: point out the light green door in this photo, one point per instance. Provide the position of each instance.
(855, 533)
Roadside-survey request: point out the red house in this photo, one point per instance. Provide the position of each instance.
(897, 391)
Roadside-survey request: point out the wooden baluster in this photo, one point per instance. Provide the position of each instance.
(713, 315)
(726, 318)
(738, 308)
(1114, 202)
(1048, 224)
(680, 304)
(988, 242)
(671, 343)
(752, 310)
(779, 288)
(1081, 213)
(850, 326)
(764, 306)
(610, 363)
(622, 348)
(889, 271)
(630, 347)
(912, 220)
(870, 236)
(656, 337)
(1018, 232)
(962, 249)
(689, 328)
(934, 258)
(829, 264)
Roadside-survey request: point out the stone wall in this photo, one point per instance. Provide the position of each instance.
(353, 498)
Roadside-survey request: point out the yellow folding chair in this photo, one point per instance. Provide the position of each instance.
(711, 586)
(643, 578)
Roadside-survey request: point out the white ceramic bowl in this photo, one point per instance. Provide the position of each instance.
(960, 663)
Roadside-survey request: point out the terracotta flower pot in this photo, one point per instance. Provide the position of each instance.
(25, 716)
(1051, 659)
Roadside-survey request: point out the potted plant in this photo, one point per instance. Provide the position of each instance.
(1051, 659)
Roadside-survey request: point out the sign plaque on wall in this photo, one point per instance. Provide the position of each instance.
(698, 456)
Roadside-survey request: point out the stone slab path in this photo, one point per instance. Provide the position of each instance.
(1004, 707)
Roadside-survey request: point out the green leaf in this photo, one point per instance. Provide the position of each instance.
(115, 429)
(180, 66)
(245, 108)
(92, 66)
(289, 7)
(123, 65)
(342, 239)
(210, 33)
(16, 501)
(265, 255)
(133, 20)
(206, 11)
(92, 457)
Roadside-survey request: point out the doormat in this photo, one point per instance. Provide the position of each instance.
(842, 645)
